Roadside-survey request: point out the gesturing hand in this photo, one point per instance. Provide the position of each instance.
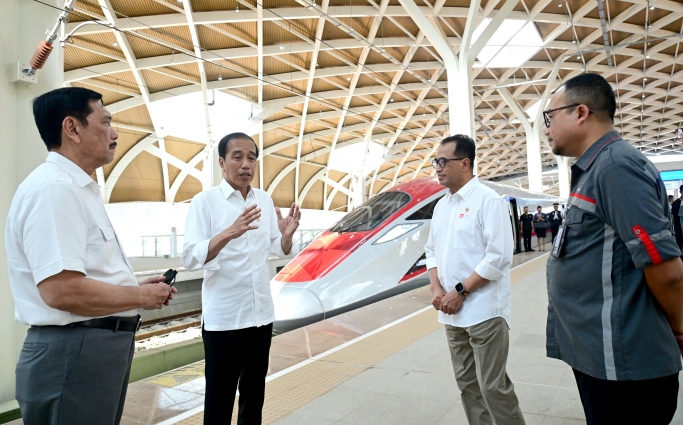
(290, 223)
(244, 222)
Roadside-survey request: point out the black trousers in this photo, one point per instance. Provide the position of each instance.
(554, 229)
(650, 401)
(527, 239)
(679, 242)
(236, 359)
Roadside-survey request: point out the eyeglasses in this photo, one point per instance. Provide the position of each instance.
(441, 162)
(546, 114)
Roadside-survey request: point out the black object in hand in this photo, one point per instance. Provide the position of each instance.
(170, 277)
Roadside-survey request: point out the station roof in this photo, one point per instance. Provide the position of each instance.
(321, 73)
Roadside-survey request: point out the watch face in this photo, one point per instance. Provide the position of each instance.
(459, 287)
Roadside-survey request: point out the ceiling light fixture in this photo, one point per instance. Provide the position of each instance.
(391, 99)
(115, 44)
(282, 47)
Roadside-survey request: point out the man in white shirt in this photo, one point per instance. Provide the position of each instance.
(231, 229)
(469, 253)
(69, 276)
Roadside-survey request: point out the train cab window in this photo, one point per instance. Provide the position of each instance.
(372, 213)
(426, 212)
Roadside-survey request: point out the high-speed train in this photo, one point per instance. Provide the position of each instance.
(376, 251)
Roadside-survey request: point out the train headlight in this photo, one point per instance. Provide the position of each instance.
(396, 232)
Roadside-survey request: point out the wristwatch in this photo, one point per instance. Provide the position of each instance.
(460, 289)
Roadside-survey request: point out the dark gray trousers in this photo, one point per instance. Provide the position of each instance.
(73, 376)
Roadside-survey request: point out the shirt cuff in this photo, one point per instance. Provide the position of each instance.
(276, 248)
(488, 272)
(57, 267)
(662, 247)
(431, 263)
(200, 252)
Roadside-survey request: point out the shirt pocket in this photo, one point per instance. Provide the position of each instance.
(576, 237)
(463, 233)
(109, 248)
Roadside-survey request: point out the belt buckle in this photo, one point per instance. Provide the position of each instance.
(137, 328)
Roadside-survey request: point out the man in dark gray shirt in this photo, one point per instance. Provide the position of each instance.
(615, 279)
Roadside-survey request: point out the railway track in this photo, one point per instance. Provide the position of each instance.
(165, 325)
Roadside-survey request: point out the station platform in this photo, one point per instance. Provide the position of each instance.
(386, 363)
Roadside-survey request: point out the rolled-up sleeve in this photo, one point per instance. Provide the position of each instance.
(497, 232)
(644, 225)
(54, 231)
(276, 237)
(197, 238)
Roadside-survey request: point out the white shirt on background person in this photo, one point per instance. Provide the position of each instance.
(236, 289)
(471, 231)
(57, 222)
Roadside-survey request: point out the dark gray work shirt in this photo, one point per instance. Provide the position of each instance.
(602, 318)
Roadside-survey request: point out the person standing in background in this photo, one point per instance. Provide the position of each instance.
(555, 220)
(676, 219)
(526, 227)
(541, 226)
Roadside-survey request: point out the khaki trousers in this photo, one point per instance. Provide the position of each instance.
(479, 354)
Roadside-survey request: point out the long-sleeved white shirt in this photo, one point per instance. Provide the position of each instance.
(236, 289)
(471, 232)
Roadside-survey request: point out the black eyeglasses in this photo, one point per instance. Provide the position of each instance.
(441, 162)
(546, 114)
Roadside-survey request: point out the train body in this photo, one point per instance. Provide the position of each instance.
(376, 251)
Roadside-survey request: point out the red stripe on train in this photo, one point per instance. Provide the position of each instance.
(331, 248)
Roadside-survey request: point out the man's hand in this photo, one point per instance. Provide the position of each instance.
(242, 225)
(153, 296)
(437, 298)
(451, 302)
(244, 222)
(160, 279)
(290, 223)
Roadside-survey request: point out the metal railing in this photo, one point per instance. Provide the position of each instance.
(160, 245)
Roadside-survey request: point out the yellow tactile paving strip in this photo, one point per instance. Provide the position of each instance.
(287, 393)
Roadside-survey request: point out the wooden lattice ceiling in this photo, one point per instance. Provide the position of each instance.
(162, 48)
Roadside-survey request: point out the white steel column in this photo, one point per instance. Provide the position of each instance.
(22, 26)
(563, 175)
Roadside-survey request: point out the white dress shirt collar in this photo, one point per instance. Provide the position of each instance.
(76, 172)
(466, 190)
(227, 189)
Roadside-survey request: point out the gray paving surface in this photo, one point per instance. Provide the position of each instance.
(415, 386)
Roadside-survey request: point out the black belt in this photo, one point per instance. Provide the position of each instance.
(113, 323)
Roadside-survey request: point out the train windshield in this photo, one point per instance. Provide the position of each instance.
(372, 213)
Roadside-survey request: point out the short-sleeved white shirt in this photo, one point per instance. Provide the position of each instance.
(57, 222)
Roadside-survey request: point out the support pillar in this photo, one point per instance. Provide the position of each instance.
(563, 175)
(533, 158)
(22, 27)
(533, 143)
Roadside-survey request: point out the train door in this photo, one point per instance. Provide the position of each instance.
(514, 217)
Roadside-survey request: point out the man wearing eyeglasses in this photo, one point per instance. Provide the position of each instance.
(469, 253)
(615, 279)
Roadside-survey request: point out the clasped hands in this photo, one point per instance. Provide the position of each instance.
(449, 303)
